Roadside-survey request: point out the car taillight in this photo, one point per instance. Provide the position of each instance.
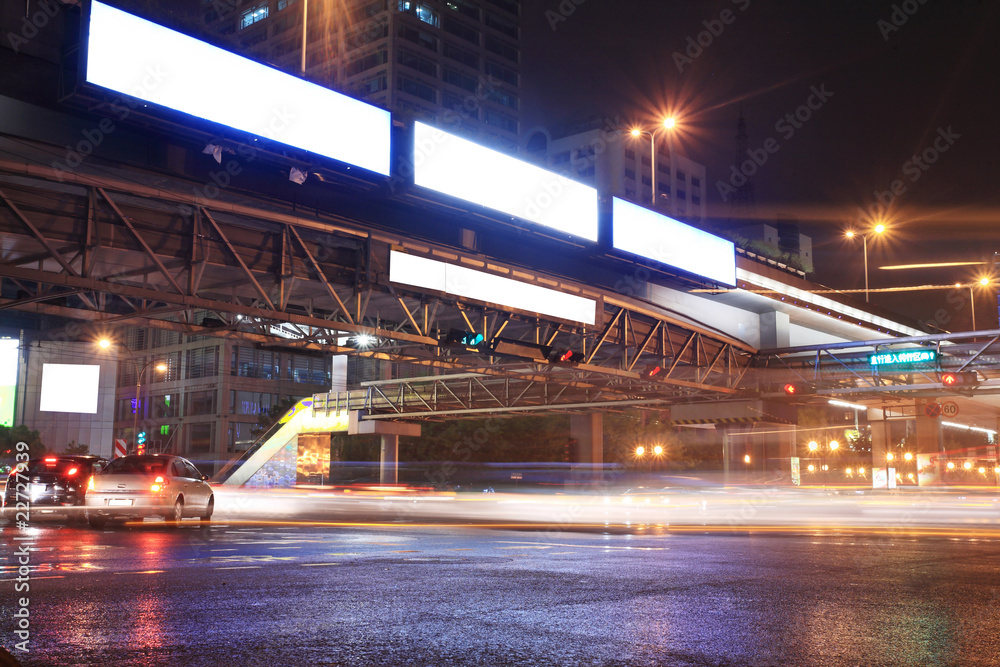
(158, 483)
(90, 483)
(72, 471)
(51, 460)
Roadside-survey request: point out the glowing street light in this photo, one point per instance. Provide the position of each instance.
(640, 450)
(982, 282)
(658, 450)
(668, 124)
(105, 343)
(890, 456)
(834, 445)
(878, 229)
(813, 446)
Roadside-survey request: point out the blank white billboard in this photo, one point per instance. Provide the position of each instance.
(460, 168)
(133, 56)
(9, 352)
(646, 233)
(70, 388)
(460, 281)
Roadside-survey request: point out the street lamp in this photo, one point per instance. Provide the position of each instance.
(879, 228)
(668, 124)
(982, 282)
(105, 344)
(305, 25)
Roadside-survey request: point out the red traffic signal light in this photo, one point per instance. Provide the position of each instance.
(960, 379)
(563, 355)
(797, 388)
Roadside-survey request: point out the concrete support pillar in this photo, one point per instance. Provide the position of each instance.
(389, 432)
(734, 439)
(387, 468)
(338, 374)
(880, 446)
(929, 440)
(588, 431)
(774, 330)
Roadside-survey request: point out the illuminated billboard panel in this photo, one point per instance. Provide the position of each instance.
(70, 388)
(646, 233)
(463, 169)
(8, 380)
(139, 58)
(460, 281)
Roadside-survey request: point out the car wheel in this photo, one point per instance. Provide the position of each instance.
(207, 516)
(97, 521)
(178, 513)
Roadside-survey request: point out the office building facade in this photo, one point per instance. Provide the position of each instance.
(612, 160)
(452, 63)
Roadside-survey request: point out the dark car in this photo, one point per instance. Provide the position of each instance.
(51, 485)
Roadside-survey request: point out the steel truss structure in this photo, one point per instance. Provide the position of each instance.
(844, 369)
(104, 252)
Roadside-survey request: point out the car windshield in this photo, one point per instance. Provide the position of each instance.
(137, 465)
(54, 465)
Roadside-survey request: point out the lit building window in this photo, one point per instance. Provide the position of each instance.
(420, 10)
(252, 15)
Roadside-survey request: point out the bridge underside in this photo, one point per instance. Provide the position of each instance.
(107, 252)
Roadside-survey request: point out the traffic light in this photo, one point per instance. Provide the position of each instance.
(464, 338)
(960, 379)
(797, 389)
(563, 355)
(140, 443)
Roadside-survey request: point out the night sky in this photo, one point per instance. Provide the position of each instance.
(895, 78)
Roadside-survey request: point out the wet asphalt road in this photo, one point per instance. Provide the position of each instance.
(270, 594)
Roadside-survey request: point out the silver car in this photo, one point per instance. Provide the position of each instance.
(134, 487)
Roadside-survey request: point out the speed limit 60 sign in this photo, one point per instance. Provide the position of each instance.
(949, 408)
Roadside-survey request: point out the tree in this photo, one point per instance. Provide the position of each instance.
(74, 449)
(266, 420)
(11, 435)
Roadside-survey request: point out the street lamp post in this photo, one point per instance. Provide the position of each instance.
(305, 38)
(105, 344)
(983, 282)
(864, 241)
(668, 124)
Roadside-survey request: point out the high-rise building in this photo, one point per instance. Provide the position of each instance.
(206, 398)
(453, 63)
(601, 154)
